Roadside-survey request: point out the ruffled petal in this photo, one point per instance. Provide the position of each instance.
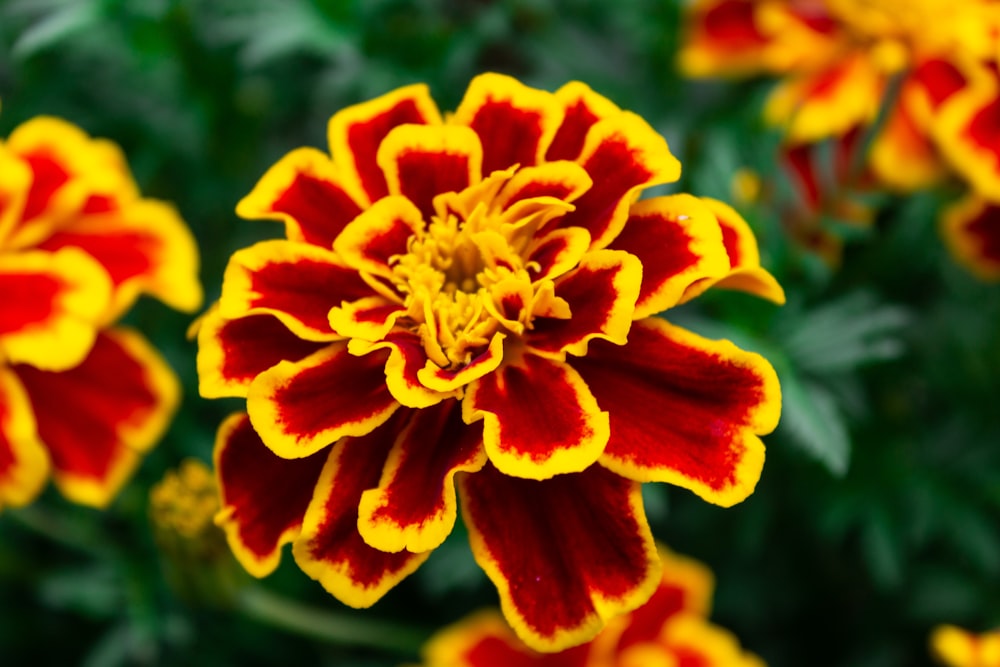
(971, 229)
(723, 37)
(330, 549)
(601, 293)
(145, 248)
(582, 108)
(539, 418)
(555, 253)
(295, 282)
(378, 234)
(690, 639)
(263, 497)
(53, 304)
(622, 155)
(515, 123)
(14, 188)
(98, 418)
(413, 507)
(968, 133)
(828, 102)
(356, 132)
(308, 193)
(423, 161)
(407, 360)
(678, 241)
(231, 353)
(744, 272)
(303, 406)
(24, 463)
(684, 409)
(484, 639)
(903, 154)
(565, 554)
(562, 180)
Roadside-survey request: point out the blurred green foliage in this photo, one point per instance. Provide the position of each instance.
(877, 513)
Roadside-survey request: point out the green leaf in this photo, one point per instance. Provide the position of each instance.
(56, 27)
(811, 419)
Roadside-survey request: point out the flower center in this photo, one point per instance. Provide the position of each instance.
(465, 278)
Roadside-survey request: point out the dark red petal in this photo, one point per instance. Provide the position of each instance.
(684, 409)
(413, 507)
(24, 463)
(263, 497)
(97, 418)
(330, 548)
(355, 133)
(308, 193)
(565, 554)
(231, 353)
(582, 109)
(301, 407)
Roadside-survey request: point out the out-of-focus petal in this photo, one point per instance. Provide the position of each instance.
(971, 229)
(98, 418)
(684, 409)
(263, 497)
(539, 418)
(24, 464)
(413, 506)
(53, 304)
(303, 406)
(565, 554)
(330, 549)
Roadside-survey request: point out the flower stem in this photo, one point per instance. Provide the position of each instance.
(329, 626)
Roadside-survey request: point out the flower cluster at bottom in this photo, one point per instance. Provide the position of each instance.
(81, 398)
(670, 630)
(464, 306)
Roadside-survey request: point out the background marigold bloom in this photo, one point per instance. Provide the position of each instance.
(80, 398)
(670, 629)
(463, 306)
(955, 647)
(971, 228)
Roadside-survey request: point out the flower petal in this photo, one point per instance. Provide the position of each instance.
(413, 507)
(356, 132)
(307, 192)
(903, 154)
(301, 407)
(24, 464)
(601, 293)
(330, 548)
(378, 234)
(723, 37)
(484, 639)
(515, 123)
(678, 241)
(53, 304)
(263, 497)
(685, 587)
(423, 161)
(827, 102)
(539, 418)
(622, 155)
(407, 359)
(684, 409)
(145, 248)
(231, 353)
(13, 191)
(968, 133)
(555, 253)
(582, 107)
(295, 282)
(98, 418)
(565, 554)
(561, 180)
(745, 272)
(971, 229)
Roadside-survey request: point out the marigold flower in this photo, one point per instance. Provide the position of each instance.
(465, 302)
(79, 397)
(971, 228)
(671, 629)
(955, 647)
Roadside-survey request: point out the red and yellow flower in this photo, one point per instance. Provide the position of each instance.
(463, 305)
(670, 630)
(80, 398)
(955, 647)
